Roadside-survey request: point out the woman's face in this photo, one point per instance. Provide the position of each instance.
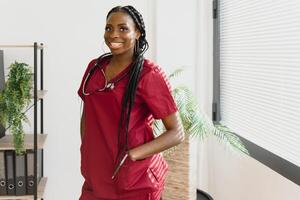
(120, 33)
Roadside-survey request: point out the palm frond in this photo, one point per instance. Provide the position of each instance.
(176, 73)
(195, 122)
(158, 127)
(228, 136)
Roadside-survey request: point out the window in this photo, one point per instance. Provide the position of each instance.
(258, 61)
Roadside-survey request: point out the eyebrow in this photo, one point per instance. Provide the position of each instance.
(122, 24)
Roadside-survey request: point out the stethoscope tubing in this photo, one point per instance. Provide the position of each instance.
(91, 72)
(107, 85)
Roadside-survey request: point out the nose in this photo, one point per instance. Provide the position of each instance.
(114, 34)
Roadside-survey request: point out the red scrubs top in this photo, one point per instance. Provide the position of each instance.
(99, 148)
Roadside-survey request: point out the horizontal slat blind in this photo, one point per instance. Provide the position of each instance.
(260, 73)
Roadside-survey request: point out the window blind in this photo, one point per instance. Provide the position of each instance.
(260, 73)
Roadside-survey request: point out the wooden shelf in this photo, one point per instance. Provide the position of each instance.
(20, 46)
(40, 93)
(41, 190)
(6, 143)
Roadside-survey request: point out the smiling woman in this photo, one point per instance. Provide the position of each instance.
(120, 36)
(120, 33)
(122, 93)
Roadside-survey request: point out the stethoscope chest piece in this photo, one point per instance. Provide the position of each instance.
(107, 85)
(110, 86)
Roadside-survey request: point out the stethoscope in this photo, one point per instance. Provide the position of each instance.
(107, 85)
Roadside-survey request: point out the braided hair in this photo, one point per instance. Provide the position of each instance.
(140, 48)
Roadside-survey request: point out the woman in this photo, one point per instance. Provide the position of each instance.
(122, 93)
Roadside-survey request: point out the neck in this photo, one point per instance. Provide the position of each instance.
(121, 60)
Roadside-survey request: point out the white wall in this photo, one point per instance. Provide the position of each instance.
(203, 77)
(176, 30)
(233, 176)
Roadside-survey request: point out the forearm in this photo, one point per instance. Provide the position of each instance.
(163, 142)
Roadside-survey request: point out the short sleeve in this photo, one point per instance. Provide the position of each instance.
(90, 65)
(157, 93)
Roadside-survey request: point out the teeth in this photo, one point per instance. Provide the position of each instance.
(115, 44)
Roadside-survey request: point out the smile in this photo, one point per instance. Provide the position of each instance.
(115, 45)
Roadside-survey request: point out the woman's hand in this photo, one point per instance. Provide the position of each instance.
(173, 136)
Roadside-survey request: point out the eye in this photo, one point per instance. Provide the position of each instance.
(123, 29)
(107, 29)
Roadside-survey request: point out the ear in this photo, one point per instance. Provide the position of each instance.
(138, 34)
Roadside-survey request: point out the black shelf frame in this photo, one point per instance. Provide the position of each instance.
(38, 52)
(37, 48)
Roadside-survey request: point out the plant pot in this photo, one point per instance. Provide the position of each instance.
(178, 185)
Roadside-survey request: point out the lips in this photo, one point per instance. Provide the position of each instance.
(115, 45)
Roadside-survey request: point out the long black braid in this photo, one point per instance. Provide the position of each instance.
(140, 48)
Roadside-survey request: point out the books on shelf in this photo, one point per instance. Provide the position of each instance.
(2, 174)
(30, 170)
(20, 174)
(9, 172)
(17, 172)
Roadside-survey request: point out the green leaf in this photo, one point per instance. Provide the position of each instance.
(13, 99)
(195, 122)
(174, 74)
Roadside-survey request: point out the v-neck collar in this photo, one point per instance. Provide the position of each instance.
(119, 75)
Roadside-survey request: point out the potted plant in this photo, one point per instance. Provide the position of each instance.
(13, 100)
(197, 125)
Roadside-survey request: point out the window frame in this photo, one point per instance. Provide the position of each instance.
(271, 160)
